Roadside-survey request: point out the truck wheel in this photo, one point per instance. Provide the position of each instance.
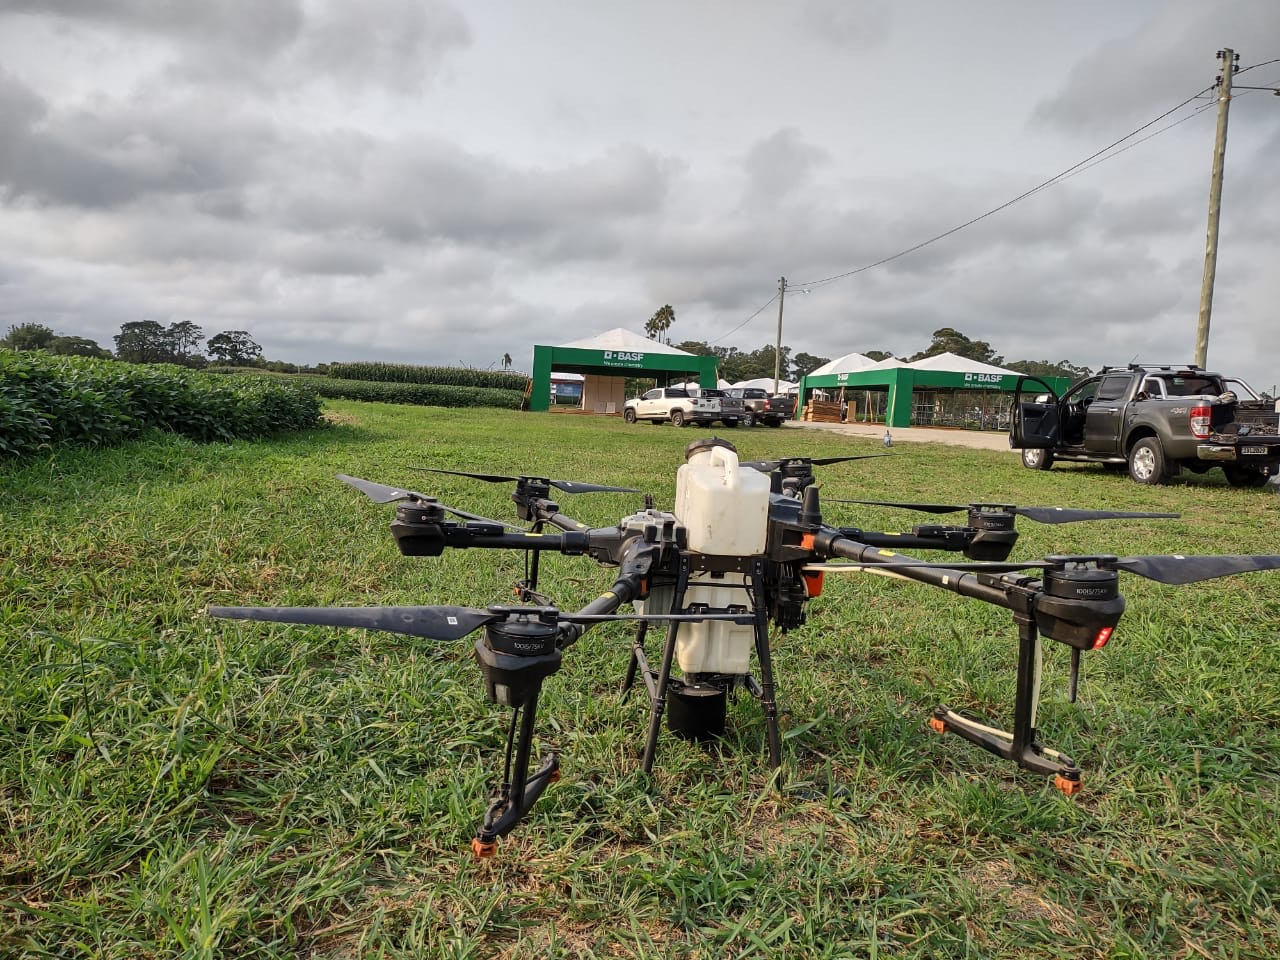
(1036, 459)
(1146, 462)
(730, 423)
(1245, 476)
(629, 415)
(773, 423)
(749, 418)
(677, 418)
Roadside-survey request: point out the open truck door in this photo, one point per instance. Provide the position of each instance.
(1035, 423)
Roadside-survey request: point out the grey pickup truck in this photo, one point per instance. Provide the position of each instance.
(1153, 421)
(759, 407)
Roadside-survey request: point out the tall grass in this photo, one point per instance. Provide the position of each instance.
(46, 400)
(441, 376)
(172, 785)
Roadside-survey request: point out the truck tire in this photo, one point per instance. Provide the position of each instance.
(1146, 462)
(1036, 459)
(1245, 477)
(730, 423)
(749, 418)
(629, 414)
(677, 418)
(773, 423)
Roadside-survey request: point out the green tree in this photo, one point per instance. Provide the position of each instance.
(1043, 368)
(184, 343)
(143, 341)
(660, 322)
(877, 355)
(949, 340)
(234, 346)
(699, 348)
(77, 347)
(807, 363)
(28, 336)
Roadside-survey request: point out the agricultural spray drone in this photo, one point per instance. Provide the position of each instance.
(743, 549)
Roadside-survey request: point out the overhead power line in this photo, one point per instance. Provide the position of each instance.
(1008, 203)
(1100, 156)
(746, 321)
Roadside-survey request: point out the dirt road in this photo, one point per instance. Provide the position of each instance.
(986, 440)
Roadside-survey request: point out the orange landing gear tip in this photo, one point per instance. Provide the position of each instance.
(1067, 786)
(937, 725)
(483, 850)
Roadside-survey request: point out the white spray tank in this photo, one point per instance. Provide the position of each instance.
(725, 510)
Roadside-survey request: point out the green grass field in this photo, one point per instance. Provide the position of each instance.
(172, 785)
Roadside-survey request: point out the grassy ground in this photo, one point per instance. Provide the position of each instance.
(172, 785)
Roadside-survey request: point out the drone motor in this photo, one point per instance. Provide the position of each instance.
(516, 654)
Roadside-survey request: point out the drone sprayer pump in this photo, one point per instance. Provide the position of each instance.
(745, 547)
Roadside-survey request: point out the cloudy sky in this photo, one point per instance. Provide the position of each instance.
(430, 182)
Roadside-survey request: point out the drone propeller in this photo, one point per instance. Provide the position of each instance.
(440, 622)
(568, 486)
(768, 466)
(1039, 514)
(432, 623)
(1173, 569)
(381, 493)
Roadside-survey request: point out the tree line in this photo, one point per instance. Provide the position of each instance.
(737, 365)
(146, 341)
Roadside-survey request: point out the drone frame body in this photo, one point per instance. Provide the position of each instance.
(1071, 600)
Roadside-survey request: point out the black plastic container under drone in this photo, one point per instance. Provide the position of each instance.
(696, 711)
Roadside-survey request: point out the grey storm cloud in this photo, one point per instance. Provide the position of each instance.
(348, 179)
(1132, 78)
(423, 190)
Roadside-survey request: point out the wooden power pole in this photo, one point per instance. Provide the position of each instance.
(1228, 60)
(777, 350)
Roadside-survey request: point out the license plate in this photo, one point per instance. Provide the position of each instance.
(1253, 451)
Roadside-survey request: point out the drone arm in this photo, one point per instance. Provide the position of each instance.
(829, 542)
(637, 562)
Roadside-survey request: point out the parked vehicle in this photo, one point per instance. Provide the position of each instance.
(732, 409)
(1154, 421)
(759, 407)
(672, 403)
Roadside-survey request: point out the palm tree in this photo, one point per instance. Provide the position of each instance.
(660, 322)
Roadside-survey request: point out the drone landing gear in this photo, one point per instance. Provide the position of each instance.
(515, 656)
(520, 789)
(1020, 745)
(695, 708)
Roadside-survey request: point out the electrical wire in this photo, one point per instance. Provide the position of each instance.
(1190, 116)
(746, 321)
(1008, 203)
(1087, 163)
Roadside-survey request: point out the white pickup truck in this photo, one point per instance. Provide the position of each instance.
(682, 407)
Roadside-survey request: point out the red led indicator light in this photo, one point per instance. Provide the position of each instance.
(1103, 636)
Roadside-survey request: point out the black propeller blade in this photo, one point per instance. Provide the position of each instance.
(1179, 569)
(1173, 569)
(768, 466)
(1039, 514)
(381, 493)
(568, 486)
(438, 623)
(433, 623)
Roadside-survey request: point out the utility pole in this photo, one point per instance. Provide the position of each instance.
(777, 350)
(1228, 59)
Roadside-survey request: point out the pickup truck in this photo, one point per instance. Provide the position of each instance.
(683, 406)
(759, 407)
(1153, 421)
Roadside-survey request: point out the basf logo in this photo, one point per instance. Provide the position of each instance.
(617, 358)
